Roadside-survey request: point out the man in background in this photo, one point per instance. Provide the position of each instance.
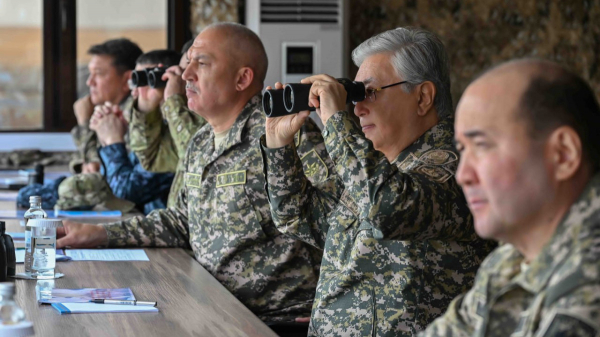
(124, 173)
(110, 69)
(161, 147)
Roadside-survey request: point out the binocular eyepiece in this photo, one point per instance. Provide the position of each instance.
(149, 76)
(293, 98)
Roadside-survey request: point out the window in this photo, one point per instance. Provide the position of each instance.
(21, 65)
(142, 21)
(43, 51)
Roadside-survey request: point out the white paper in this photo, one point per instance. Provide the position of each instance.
(76, 308)
(107, 254)
(20, 255)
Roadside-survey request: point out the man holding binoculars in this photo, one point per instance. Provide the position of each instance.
(160, 147)
(398, 242)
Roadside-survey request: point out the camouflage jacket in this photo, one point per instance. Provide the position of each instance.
(222, 213)
(128, 180)
(160, 147)
(398, 237)
(87, 143)
(557, 294)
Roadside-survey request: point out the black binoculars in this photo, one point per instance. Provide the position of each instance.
(149, 76)
(293, 98)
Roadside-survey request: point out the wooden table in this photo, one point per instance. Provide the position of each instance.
(190, 301)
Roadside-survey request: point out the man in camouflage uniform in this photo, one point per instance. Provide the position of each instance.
(398, 237)
(527, 132)
(110, 69)
(222, 214)
(160, 147)
(123, 171)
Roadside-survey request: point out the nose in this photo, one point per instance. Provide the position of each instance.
(189, 74)
(466, 174)
(90, 80)
(360, 109)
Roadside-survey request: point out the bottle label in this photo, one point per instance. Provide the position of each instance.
(47, 242)
(28, 251)
(27, 239)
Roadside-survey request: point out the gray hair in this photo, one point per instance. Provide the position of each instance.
(418, 56)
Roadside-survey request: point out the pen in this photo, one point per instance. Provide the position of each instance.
(125, 302)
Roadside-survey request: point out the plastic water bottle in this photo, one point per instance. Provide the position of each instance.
(34, 212)
(12, 317)
(43, 243)
(10, 313)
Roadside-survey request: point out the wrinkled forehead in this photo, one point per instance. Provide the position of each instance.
(210, 43)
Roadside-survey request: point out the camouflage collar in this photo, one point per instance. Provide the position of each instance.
(440, 136)
(235, 134)
(574, 231)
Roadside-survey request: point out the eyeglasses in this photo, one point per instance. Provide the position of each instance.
(370, 92)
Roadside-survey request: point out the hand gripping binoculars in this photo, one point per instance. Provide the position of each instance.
(149, 76)
(293, 98)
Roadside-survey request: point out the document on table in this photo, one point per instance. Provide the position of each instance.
(107, 254)
(80, 308)
(87, 214)
(20, 256)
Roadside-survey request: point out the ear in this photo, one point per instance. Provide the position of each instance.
(425, 96)
(125, 77)
(566, 152)
(244, 79)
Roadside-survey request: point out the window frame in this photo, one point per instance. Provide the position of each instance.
(59, 62)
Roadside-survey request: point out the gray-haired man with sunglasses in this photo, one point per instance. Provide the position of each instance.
(397, 234)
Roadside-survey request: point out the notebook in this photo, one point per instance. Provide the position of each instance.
(81, 308)
(58, 295)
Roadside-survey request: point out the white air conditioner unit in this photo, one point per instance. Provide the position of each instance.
(301, 37)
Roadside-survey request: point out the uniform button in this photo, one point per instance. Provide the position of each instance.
(179, 128)
(326, 133)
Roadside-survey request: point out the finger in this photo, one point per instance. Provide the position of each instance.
(168, 76)
(60, 232)
(98, 111)
(299, 119)
(278, 85)
(268, 87)
(107, 109)
(101, 110)
(316, 90)
(302, 319)
(116, 109)
(65, 241)
(320, 77)
(175, 70)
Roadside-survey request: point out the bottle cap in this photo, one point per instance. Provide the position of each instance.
(35, 199)
(48, 223)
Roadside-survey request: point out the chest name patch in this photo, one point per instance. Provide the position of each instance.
(231, 178)
(192, 179)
